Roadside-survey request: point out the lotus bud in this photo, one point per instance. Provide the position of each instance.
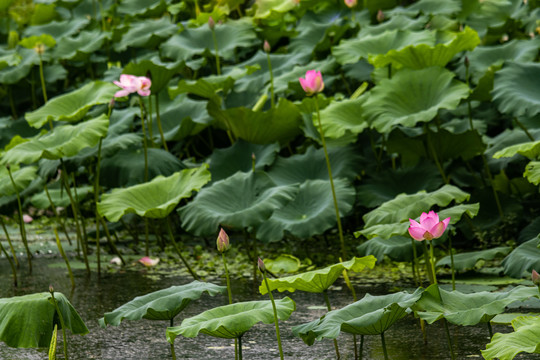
(51, 289)
(211, 23)
(535, 278)
(27, 218)
(148, 262)
(39, 48)
(313, 82)
(466, 61)
(260, 263)
(223, 241)
(380, 16)
(8, 166)
(266, 46)
(351, 3)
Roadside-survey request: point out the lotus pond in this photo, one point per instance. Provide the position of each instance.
(269, 178)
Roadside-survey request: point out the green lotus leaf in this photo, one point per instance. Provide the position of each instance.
(525, 338)
(317, 281)
(232, 321)
(312, 166)
(505, 139)
(154, 199)
(529, 149)
(63, 141)
(146, 34)
(198, 41)
(281, 123)
(311, 212)
(412, 96)
(467, 309)
(483, 15)
(436, 7)
(372, 315)
(341, 117)
(289, 80)
(396, 22)
(239, 157)
(351, 51)
(32, 41)
(13, 74)
(126, 167)
(9, 59)
(468, 260)
(532, 172)
(142, 7)
(239, 201)
(283, 263)
(74, 105)
(160, 305)
(523, 259)
(521, 100)
(21, 176)
(58, 29)
(28, 321)
(420, 56)
(159, 72)
(265, 8)
(59, 197)
(397, 248)
(82, 46)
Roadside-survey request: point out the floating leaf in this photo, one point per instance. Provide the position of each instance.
(154, 199)
(28, 321)
(317, 281)
(160, 305)
(74, 105)
(525, 338)
(524, 258)
(468, 260)
(283, 263)
(232, 321)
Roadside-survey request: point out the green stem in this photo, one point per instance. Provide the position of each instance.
(218, 67)
(61, 318)
(13, 270)
(490, 329)
(96, 200)
(452, 262)
(495, 193)
(42, 78)
(8, 238)
(150, 121)
(271, 80)
(240, 348)
(110, 242)
(428, 262)
(145, 145)
(146, 238)
(329, 307)
(341, 239)
(63, 254)
(160, 128)
(169, 228)
(173, 353)
(361, 346)
(435, 157)
(415, 263)
(229, 291)
(524, 129)
(449, 338)
(82, 218)
(275, 314)
(55, 212)
(432, 261)
(12, 103)
(384, 346)
(21, 221)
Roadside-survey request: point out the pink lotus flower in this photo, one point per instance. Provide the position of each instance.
(27, 218)
(535, 278)
(351, 3)
(313, 83)
(148, 262)
(131, 84)
(429, 227)
(223, 241)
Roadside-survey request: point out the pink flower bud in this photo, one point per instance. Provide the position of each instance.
(313, 83)
(429, 227)
(351, 3)
(222, 241)
(535, 278)
(266, 46)
(148, 262)
(211, 23)
(260, 263)
(380, 16)
(27, 218)
(51, 289)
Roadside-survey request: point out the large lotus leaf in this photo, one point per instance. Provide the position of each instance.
(436, 7)
(413, 96)
(35, 40)
(532, 172)
(146, 33)
(420, 56)
(371, 315)
(265, 8)
(142, 7)
(232, 321)
(13, 74)
(198, 41)
(63, 141)
(288, 80)
(317, 281)
(239, 201)
(311, 212)
(80, 47)
(281, 123)
(154, 199)
(239, 157)
(59, 197)
(467, 309)
(397, 248)
(58, 29)
(21, 176)
(396, 22)
(386, 185)
(529, 149)
(126, 167)
(74, 105)
(28, 321)
(525, 338)
(159, 72)
(312, 166)
(468, 260)
(351, 51)
(482, 15)
(341, 117)
(524, 259)
(519, 100)
(160, 305)
(507, 138)
(10, 58)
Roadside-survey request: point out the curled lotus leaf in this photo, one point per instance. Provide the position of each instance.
(523, 259)
(525, 338)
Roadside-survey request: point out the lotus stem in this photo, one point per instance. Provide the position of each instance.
(524, 129)
(150, 120)
(384, 346)
(275, 314)
(42, 78)
(22, 229)
(13, 270)
(229, 292)
(361, 347)
(12, 103)
(329, 307)
(33, 90)
(96, 200)
(490, 329)
(160, 128)
(145, 145)
(271, 80)
(428, 262)
(61, 318)
(341, 239)
(9, 242)
(63, 254)
(173, 353)
(449, 338)
(240, 348)
(432, 261)
(415, 263)
(218, 66)
(169, 228)
(353, 292)
(110, 242)
(452, 263)
(435, 157)
(82, 218)
(55, 212)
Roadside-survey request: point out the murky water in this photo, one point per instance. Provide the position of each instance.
(145, 339)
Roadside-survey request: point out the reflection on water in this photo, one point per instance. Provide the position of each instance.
(146, 339)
